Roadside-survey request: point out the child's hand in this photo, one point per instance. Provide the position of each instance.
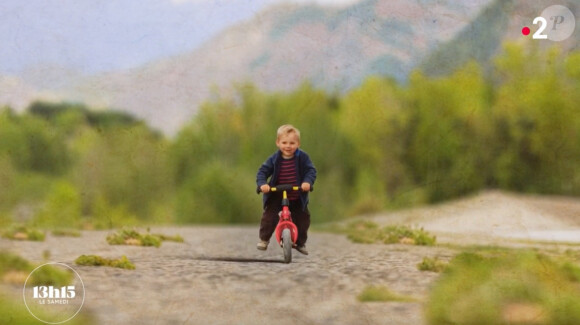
(265, 188)
(305, 187)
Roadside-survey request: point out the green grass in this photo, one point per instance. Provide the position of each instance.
(368, 232)
(432, 265)
(502, 286)
(20, 232)
(94, 260)
(382, 294)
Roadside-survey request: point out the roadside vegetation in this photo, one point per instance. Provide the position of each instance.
(14, 270)
(506, 286)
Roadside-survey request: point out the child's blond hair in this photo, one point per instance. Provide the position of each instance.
(287, 129)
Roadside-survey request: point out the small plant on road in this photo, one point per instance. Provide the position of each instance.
(23, 233)
(368, 232)
(95, 260)
(382, 294)
(66, 233)
(432, 265)
(132, 237)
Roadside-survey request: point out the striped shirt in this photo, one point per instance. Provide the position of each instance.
(289, 175)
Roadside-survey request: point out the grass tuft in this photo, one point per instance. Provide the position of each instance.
(95, 260)
(23, 233)
(432, 265)
(382, 294)
(66, 233)
(368, 232)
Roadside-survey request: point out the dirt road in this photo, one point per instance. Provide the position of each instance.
(218, 277)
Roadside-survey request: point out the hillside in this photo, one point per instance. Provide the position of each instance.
(279, 49)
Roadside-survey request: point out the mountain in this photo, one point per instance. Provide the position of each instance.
(333, 48)
(282, 47)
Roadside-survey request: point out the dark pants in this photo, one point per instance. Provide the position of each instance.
(270, 218)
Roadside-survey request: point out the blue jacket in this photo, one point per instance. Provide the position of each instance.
(271, 167)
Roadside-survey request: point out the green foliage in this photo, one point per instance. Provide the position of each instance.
(32, 144)
(123, 168)
(62, 208)
(106, 216)
(381, 145)
(62, 112)
(219, 195)
(382, 294)
(95, 260)
(501, 286)
(432, 265)
(20, 232)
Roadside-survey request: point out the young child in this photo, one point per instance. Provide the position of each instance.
(289, 165)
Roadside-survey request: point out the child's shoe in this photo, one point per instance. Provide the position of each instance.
(301, 249)
(262, 245)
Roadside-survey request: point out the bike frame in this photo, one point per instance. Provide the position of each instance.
(285, 221)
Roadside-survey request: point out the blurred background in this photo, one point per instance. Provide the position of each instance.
(160, 112)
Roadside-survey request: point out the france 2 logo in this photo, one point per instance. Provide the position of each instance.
(555, 23)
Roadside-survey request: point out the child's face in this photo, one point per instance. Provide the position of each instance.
(288, 143)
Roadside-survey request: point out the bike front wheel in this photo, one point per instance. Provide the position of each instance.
(287, 245)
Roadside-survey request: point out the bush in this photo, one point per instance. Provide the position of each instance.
(499, 286)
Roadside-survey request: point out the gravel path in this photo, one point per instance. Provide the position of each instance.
(218, 277)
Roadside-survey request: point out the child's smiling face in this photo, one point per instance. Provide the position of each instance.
(288, 143)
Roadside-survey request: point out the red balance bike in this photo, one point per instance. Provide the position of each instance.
(286, 230)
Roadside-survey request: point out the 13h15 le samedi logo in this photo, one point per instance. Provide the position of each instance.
(48, 300)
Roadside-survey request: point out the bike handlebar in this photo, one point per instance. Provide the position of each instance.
(283, 187)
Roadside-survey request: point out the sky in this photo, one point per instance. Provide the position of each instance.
(93, 36)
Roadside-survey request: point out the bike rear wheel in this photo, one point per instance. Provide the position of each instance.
(287, 245)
